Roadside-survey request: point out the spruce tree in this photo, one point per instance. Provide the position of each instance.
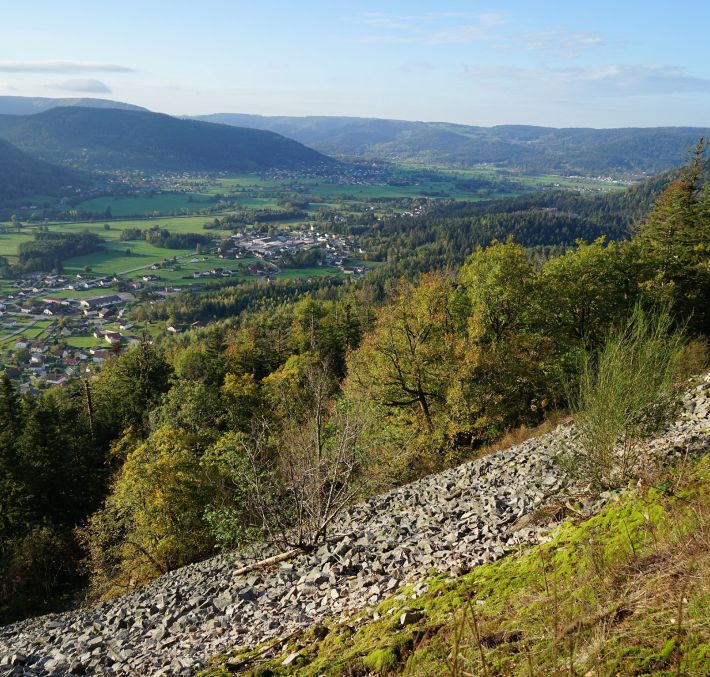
(675, 241)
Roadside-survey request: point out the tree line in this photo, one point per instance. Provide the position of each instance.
(49, 249)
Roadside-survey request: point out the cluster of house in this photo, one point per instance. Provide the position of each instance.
(54, 364)
(39, 305)
(340, 175)
(336, 248)
(215, 272)
(49, 359)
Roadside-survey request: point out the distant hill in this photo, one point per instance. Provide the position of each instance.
(27, 105)
(22, 176)
(92, 138)
(527, 148)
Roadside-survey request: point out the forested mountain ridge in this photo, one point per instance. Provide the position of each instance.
(623, 151)
(23, 176)
(92, 138)
(444, 233)
(27, 105)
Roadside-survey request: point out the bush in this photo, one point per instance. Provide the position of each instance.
(624, 393)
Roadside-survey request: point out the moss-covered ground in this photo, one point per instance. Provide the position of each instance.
(623, 592)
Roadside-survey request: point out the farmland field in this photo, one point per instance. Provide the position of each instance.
(185, 205)
(161, 203)
(10, 241)
(250, 191)
(86, 341)
(115, 259)
(253, 191)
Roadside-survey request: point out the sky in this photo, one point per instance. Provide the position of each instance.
(555, 63)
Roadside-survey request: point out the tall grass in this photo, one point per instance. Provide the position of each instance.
(624, 393)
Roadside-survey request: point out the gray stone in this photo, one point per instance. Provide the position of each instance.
(410, 617)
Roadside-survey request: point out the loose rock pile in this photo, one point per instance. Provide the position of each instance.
(450, 522)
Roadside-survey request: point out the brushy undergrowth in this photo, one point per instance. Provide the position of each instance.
(625, 393)
(625, 592)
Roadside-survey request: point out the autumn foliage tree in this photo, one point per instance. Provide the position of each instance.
(151, 521)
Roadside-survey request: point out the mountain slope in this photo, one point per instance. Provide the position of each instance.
(92, 138)
(463, 518)
(27, 105)
(22, 176)
(602, 598)
(533, 149)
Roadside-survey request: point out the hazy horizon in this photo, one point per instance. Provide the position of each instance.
(469, 63)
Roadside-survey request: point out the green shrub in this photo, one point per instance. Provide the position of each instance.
(624, 393)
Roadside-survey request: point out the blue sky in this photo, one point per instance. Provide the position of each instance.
(596, 63)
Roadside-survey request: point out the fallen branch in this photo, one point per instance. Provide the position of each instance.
(289, 554)
(281, 557)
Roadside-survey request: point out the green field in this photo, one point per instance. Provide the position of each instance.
(10, 241)
(161, 203)
(245, 191)
(115, 260)
(85, 342)
(253, 191)
(176, 224)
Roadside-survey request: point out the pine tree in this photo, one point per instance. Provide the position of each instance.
(13, 494)
(675, 241)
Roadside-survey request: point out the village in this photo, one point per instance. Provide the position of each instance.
(56, 327)
(50, 336)
(327, 248)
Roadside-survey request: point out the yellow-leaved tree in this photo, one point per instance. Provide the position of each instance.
(152, 521)
(500, 380)
(402, 370)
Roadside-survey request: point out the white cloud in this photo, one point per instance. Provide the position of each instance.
(569, 45)
(89, 85)
(434, 28)
(383, 21)
(65, 67)
(607, 80)
(494, 72)
(461, 35)
(415, 67)
(625, 80)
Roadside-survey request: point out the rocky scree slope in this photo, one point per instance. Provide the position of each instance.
(448, 522)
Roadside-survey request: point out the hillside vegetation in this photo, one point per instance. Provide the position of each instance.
(304, 402)
(93, 138)
(23, 176)
(260, 431)
(526, 148)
